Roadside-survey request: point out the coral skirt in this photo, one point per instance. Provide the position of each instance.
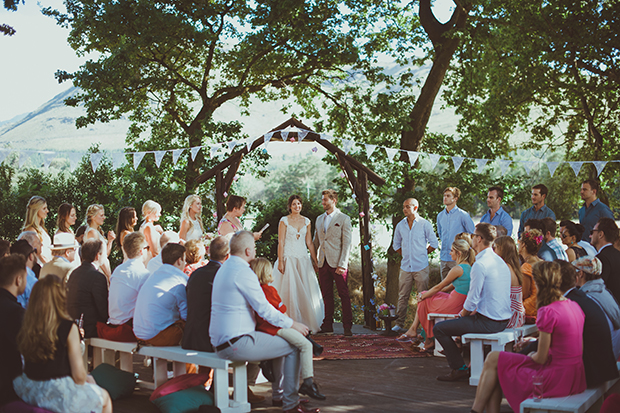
(442, 303)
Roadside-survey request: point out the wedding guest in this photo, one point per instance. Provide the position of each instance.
(125, 224)
(35, 242)
(191, 219)
(151, 211)
(506, 248)
(166, 238)
(66, 218)
(230, 222)
(64, 252)
(88, 289)
(590, 250)
(529, 244)
(593, 209)
(79, 233)
(558, 359)
(550, 239)
(23, 248)
(496, 214)
(538, 210)
(54, 376)
(36, 212)
(571, 234)
(604, 235)
(95, 217)
(195, 251)
(12, 285)
(5, 247)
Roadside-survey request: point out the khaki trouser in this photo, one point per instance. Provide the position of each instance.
(405, 283)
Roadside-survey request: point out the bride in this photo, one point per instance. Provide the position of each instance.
(293, 274)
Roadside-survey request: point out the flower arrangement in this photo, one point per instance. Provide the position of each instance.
(386, 309)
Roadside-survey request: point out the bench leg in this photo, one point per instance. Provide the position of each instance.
(220, 388)
(109, 357)
(477, 361)
(160, 371)
(240, 386)
(178, 369)
(127, 362)
(97, 356)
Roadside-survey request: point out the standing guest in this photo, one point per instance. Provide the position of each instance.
(538, 210)
(414, 239)
(191, 219)
(161, 306)
(79, 233)
(125, 283)
(447, 297)
(529, 244)
(590, 250)
(230, 222)
(589, 281)
(12, 284)
(36, 212)
(488, 296)
(237, 296)
(5, 247)
(451, 221)
(496, 215)
(593, 209)
(66, 218)
(95, 216)
(550, 239)
(23, 248)
(332, 241)
(151, 211)
(604, 234)
(54, 376)
(64, 254)
(195, 251)
(571, 234)
(125, 224)
(88, 289)
(166, 238)
(558, 359)
(506, 248)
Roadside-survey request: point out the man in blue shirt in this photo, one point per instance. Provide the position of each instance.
(593, 209)
(451, 222)
(496, 214)
(414, 239)
(538, 210)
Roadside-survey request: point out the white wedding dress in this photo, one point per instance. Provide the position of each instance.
(298, 286)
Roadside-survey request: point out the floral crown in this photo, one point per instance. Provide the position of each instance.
(537, 240)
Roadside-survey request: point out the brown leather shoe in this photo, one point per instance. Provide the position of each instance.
(301, 409)
(455, 375)
(254, 398)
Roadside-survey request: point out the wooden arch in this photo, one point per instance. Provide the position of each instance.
(357, 175)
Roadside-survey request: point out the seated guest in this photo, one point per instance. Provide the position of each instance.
(529, 244)
(505, 247)
(12, 284)
(125, 283)
(63, 256)
(23, 248)
(571, 237)
(604, 235)
(544, 252)
(488, 296)
(194, 256)
(550, 230)
(5, 247)
(54, 376)
(161, 307)
(155, 262)
(88, 288)
(558, 359)
(35, 242)
(589, 281)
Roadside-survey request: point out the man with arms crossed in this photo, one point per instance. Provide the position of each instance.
(538, 210)
(496, 214)
(593, 209)
(451, 222)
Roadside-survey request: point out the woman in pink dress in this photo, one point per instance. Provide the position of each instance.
(558, 358)
(447, 297)
(506, 248)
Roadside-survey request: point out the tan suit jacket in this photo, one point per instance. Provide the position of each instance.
(59, 267)
(333, 245)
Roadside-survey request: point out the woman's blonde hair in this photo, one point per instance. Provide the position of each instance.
(91, 211)
(38, 336)
(465, 251)
(506, 248)
(193, 251)
(32, 219)
(149, 207)
(464, 236)
(263, 269)
(189, 201)
(548, 278)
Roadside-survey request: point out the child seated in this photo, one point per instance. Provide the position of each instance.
(263, 269)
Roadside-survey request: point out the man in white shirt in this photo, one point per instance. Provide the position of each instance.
(237, 294)
(166, 237)
(125, 283)
(489, 296)
(414, 239)
(161, 307)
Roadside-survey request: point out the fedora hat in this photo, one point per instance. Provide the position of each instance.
(63, 241)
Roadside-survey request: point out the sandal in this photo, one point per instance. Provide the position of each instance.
(430, 350)
(404, 338)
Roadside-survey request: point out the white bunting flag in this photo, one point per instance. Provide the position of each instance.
(434, 159)
(268, 136)
(600, 165)
(118, 159)
(159, 155)
(95, 159)
(137, 158)
(457, 161)
(3, 154)
(194, 151)
(48, 157)
(576, 167)
(391, 153)
(284, 135)
(249, 142)
(326, 137)
(301, 135)
(481, 163)
(413, 157)
(232, 144)
(347, 145)
(369, 149)
(553, 166)
(176, 154)
(503, 165)
(214, 149)
(23, 157)
(528, 166)
(74, 159)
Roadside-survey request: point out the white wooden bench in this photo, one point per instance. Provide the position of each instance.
(104, 351)
(590, 400)
(501, 341)
(437, 317)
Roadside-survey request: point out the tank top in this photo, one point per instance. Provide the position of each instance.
(57, 367)
(461, 284)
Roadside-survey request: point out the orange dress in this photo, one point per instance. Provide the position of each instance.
(530, 302)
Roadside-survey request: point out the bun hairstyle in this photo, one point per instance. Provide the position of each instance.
(573, 229)
(465, 251)
(548, 278)
(532, 241)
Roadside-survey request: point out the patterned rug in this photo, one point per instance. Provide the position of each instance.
(364, 346)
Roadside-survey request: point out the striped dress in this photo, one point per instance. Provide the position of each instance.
(516, 305)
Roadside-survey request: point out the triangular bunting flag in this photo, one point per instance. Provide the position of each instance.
(48, 157)
(249, 142)
(232, 144)
(576, 167)
(434, 159)
(552, 167)
(194, 152)
(413, 157)
(457, 161)
(176, 154)
(3, 154)
(528, 166)
(284, 135)
(326, 137)
(268, 136)
(118, 159)
(391, 153)
(137, 158)
(159, 155)
(74, 159)
(503, 165)
(301, 135)
(369, 149)
(214, 149)
(23, 157)
(95, 159)
(481, 163)
(600, 165)
(347, 144)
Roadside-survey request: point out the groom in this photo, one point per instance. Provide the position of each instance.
(332, 239)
